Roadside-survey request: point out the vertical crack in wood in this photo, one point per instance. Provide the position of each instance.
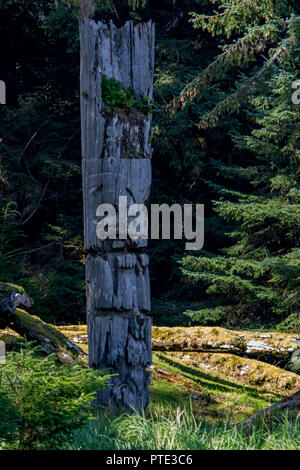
(117, 277)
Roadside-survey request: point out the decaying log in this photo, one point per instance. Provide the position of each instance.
(116, 161)
(274, 348)
(30, 326)
(47, 336)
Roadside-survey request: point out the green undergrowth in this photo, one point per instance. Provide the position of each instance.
(208, 394)
(189, 409)
(117, 97)
(41, 401)
(179, 430)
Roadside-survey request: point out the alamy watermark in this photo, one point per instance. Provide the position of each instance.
(296, 94)
(2, 353)
(2, 92)
(295, 360)
(133, 221)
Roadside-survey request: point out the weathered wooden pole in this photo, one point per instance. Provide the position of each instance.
(117, 277)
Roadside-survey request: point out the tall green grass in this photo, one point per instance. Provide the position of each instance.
(180, 431)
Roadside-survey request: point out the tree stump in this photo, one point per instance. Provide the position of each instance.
(117, 277)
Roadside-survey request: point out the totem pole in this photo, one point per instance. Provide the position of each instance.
(116, 161)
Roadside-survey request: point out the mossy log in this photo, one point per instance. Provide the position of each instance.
(32, 327)
(269, 347)
(47, 336)
(204, 341)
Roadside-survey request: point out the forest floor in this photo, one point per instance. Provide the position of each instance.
(214, 386)
(198, 395)
(217, 374)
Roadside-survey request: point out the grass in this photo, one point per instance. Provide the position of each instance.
(196, 401)
(180, 430)
(215, 398)
(177, 421)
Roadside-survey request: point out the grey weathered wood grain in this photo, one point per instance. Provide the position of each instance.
(117, 277)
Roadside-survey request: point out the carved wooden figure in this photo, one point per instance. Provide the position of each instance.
(117, 277)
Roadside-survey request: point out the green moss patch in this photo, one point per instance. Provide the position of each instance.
(217, 338)
(216, 386)
(119, 98)
(208, 394)
(10, 338)
(242, 371)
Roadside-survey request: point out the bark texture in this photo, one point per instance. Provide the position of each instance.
(117, 277)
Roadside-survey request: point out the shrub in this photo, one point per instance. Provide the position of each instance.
(47, 401)
(117, 97)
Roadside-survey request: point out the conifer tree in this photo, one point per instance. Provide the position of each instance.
(256, 280)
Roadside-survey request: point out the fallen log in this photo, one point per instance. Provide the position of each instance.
(47, 336)
(30, 326)
(274, 348)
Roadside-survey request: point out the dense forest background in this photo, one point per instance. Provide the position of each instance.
(226, 134)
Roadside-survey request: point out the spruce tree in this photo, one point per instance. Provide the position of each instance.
(255, 280)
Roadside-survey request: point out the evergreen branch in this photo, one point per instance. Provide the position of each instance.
(236, 54)
(235, 15)
(233, 102)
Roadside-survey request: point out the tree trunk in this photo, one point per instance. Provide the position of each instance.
(117, 278)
